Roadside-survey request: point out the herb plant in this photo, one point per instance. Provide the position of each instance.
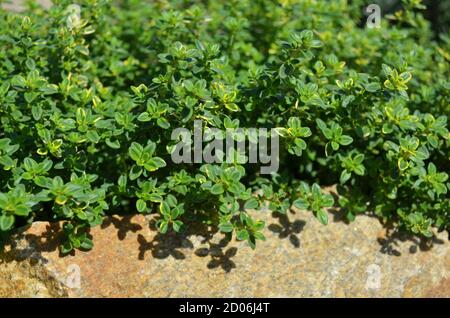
(90, 95)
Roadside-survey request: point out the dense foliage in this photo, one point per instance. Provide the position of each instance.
(89, 102)
(437, 11)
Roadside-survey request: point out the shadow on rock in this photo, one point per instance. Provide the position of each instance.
(389, 244)
(339, 215)
(30, 246)
(171, 244)
(123, 224)
(163, 246)
(219, 257)
(287, 229)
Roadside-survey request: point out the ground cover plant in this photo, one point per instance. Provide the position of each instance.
(90, 95)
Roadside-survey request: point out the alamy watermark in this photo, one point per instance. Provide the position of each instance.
(73, 279)
(373, 281)
(374, 16)
(232, 145)
(74, 16)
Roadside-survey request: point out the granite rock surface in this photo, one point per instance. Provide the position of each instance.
(300, 258)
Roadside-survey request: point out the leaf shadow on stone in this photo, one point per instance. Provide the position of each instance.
(390, 243)
(172, 244)
(287, 229)
(29, 246)
(162, 246)
(219, 256)
(123, 224)
(339, 215)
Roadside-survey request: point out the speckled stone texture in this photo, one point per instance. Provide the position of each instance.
(300, 258)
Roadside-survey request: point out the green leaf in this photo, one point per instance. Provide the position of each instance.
(87, 244)
(154, 197)
(177, 225)
(163, 123)
(66, 247)
(301, 204)
(402, 164)
(359, 170)
(422, 153)
(232, 106)
(18, 81)
(294, 123)
(43, 182)
(155, 164)
(334, 145)
(22, 210)
(345, 176)
(49, 89)
(171, 200)
(242, 235)
(300, 143)
(112, 144)
(37, 112)
(93, 136)
(144, 117)
(281, 131)
(315, 189)
(327, 200)
(358, 159)
(345, 140)
(217, 189)
(322, 216)
(251, 203)
(325, 130)
(372, 87)
(427, 233)
(135, 172)
(30, 64)
(141, 206)
(6, 222)
(163, 227)
(226, 227)
(259, 236)
(304, 132)
(164, 208)
(135, 151)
